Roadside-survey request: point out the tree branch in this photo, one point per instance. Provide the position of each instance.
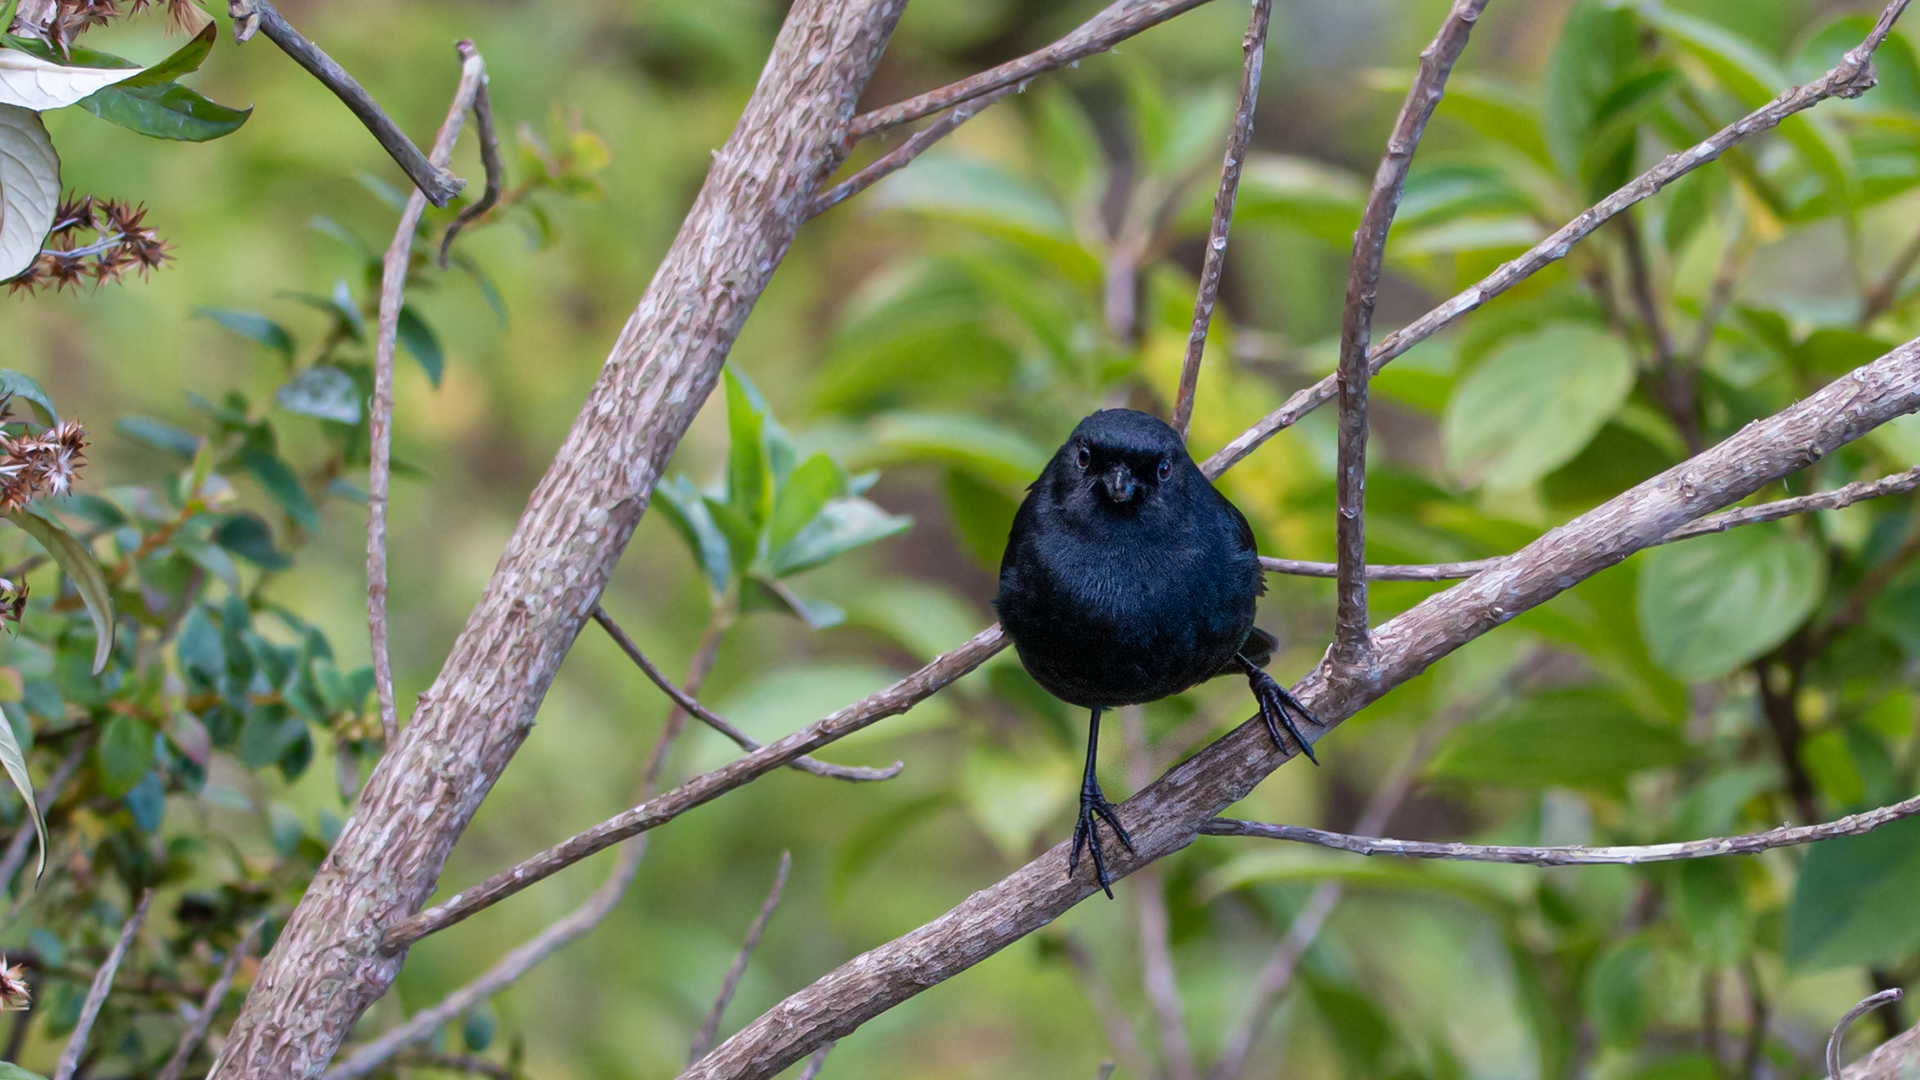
(430, 178)
(1891, 1060)
(1884, 997)
(1852, 77)
(393, 285)
(710, 1027)
(900, 156)
(1117, 22)
(720, 723)
(196, 1032)
(1352, 645)
(328, 964)
(1254, 45)
(1785, 836)
(1713, 523)
(489, 160)
(97, 993)
(1168, 815)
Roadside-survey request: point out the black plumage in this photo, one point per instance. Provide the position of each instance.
(1129, 578)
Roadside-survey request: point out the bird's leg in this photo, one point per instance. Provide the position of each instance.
(1274, 703)
(1094, 808)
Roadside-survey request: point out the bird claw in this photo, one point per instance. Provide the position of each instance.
(1094, 809)
(1274, 703)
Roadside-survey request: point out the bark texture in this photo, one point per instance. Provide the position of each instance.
(328, 966)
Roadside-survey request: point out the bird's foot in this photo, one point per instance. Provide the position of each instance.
(1094, 809)
(1274, 704)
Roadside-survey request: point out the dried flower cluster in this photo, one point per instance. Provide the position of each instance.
(122, 241)
(14, 991)
(44, 464)
(71, 18)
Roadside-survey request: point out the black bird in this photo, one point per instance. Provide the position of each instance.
(1127, 579)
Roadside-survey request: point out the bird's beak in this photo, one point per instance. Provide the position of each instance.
(1119, 484)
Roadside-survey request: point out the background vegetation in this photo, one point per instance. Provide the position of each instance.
(948, 329)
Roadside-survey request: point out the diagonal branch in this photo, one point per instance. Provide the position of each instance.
(901, 156)
(1352, 646)
(431, 178)
(1867, 1005)
(1255, 47)
(1753, 843)
(720, 723)
(393, 285)
(196, 1032)
(710, 1027)
(1117, 22)
(1167, 816)
(97, 993)
(1850, 78)
(1713, 523)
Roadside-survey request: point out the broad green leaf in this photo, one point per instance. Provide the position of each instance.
(1597, 48)
(253, 326)
(10, 1071)
(1013, 796)
(1853, 903)
(1572, 738)
(1490, 107)
(802, 497)
(421, 341)
(20, 385)
(1439, 194)
(124, 755)
(247, 536)
(29, 188)
(1534, 404)
(167, 110)
(743, 540)
(765, 594)
(1068, 145)
(77, 562)
(687, 513)
(982, 514)
(160, 436)
(1300, 193)
(1711, 604)
(1362, 1033)
(29, 82)
(749, 479)
(992, 200)
(15, 763)
(1616, 992)
(184, 61)
(76, 55)
(322, 392)
(841, 526)
(999, 455)
(286, 489)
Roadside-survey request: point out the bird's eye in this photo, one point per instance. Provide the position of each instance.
(1166, 469)
(1086, 457)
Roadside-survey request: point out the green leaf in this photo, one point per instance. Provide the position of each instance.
(998, 455)
(184, 61)
(743, 543)
(763, 594)
(10, 1071)
(1013, 796)
(23, 386)
(247, 536)
(1597, 48)
(280, 482)
(687, 513)
(420, 340)
(841, 526)
(322, 392)
(1893, 63)
(253, 326)
(76, 55)
(749, 480)
(160, 436)
(1853, 902)
(1490, 107)
(1534, 404)
(1616, 995)
(1572, 738)
(165, 111)
(15, 763)
(77, 562)
(1315, 198)
(802, 497)
(1711, 604)
(124, 755)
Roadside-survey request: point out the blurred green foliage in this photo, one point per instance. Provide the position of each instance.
(950, 326)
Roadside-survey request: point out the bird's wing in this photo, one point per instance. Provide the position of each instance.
(1247, 543)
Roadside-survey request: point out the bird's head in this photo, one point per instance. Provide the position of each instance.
(1118, 463)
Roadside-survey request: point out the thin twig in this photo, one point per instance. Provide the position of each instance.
(720, 723)
(16, 855)
(1852, 77)
(97, 993)
(1676, 378)
(1859, 491)
(1352, 643)
(393, 284)
(1785, 836)
(1739, 249)
(1114, 24)
(1883, 295)
(703, 789)
(489, 159)
(196, 1032)
(508, 970)
(710, 1027)
(431, 178)
(1884, 997)
(900, 156)
(817, 1062)
(1254, 45)
(1121, 1034)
